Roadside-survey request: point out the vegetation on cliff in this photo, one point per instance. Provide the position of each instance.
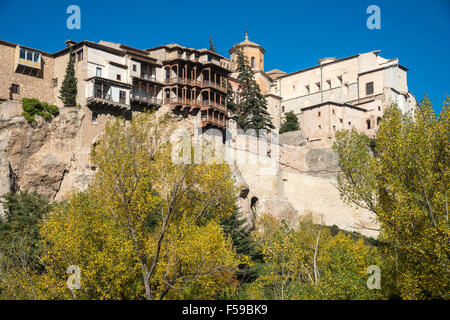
(291, 123)
(32, 107)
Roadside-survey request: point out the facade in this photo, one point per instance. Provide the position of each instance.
(194, 81)
(336, 94)
(115, 79)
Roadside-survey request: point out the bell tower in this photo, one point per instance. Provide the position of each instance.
(253, 51)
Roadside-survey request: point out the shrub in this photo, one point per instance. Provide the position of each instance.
(32, 107)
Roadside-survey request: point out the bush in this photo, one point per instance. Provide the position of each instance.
(32, 107)
(291, 123)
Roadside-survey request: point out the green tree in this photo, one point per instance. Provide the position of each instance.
(405, 183)
(68, 91)
(251, 111)
(291, 123)
(19, 239)
(235, 226)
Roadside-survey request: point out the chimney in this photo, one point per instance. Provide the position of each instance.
(327, 60)
(70, 43)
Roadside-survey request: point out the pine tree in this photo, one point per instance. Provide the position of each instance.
(234, 227)
(212, 47)
(68, 92)
(291, 123)
(251, 111)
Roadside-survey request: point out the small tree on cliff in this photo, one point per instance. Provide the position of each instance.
(212, 46)
(291, 123)
(251, 111)
(68, 91)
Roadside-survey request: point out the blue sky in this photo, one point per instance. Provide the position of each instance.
(295, 33)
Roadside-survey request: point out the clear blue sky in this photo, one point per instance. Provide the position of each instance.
(295, 33)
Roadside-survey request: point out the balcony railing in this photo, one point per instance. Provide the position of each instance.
(105, 98)
(218, 86)
(207, 103)
(183, 101)
(146, 99)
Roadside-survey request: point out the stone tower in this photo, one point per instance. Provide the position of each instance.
(253, 51)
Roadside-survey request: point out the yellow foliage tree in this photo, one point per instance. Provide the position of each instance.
(404, 181)
(146, 228)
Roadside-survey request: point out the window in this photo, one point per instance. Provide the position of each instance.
(282, 109)
(341, 121)
(318, 85)
(29, 55)
(122, 96)
(320, 127)
(349, 123)
(379, 108)
(94, 117)
(293, 87)
(15, 88)
(368, 124)
(55, 82)
(319, 114)
(118, 77)
(369, 88)
(134, 67)
(209, 58)
(98, 72)
(36, 56)
(334, 112)
(22, 53)
(378, 121)
(334, 128)
(307, 89)
(79, 56)
(329, 84)
(253, 62)
(339, 80)
(167, 73)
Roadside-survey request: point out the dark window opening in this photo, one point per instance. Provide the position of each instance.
(15, 88)
(369, 88)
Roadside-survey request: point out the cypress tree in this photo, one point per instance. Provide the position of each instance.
(68, 91)
(291, 123)
(251, 111)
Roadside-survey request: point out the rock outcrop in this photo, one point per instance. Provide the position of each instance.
(53, 158)
(48, 157)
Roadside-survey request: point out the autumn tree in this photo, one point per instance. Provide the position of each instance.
(146, 228)
(306, 262)
(405, 183)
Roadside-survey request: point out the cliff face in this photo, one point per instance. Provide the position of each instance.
(53, 158)
(48, 157)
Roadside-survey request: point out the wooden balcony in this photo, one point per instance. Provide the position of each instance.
(214, 121)
(105, 99)
(212, 84)
(150, 100)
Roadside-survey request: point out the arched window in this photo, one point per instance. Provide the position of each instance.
(253, 62)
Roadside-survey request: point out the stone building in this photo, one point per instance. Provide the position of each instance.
(345, 93)
(118, 80)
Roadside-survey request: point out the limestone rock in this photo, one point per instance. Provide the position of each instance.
(294, 138)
